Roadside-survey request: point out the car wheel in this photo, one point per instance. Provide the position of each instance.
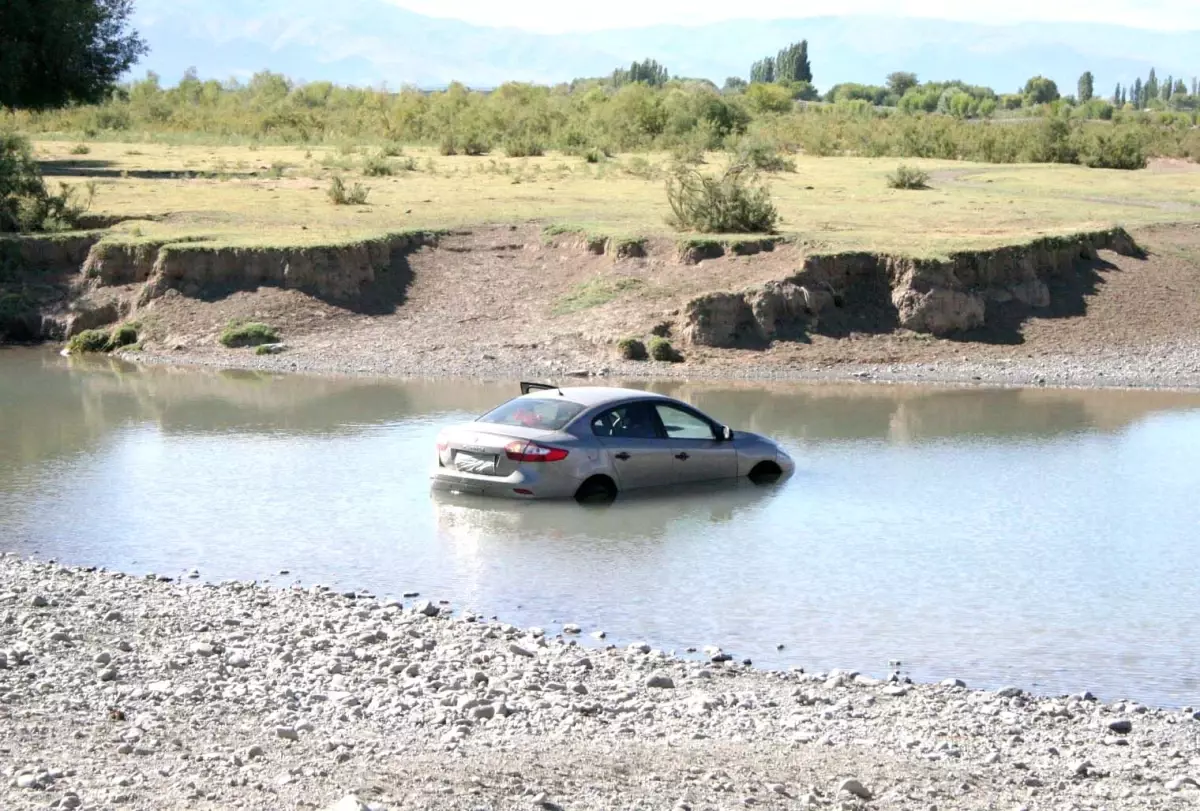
(765, 473)
(597, 490)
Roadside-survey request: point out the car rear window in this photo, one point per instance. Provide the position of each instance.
(545, 413)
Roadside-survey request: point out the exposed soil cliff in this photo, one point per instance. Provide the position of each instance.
(880, 293)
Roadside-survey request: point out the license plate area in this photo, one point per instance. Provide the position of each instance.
(481, 464)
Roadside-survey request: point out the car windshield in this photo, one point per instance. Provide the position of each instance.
(546, 413)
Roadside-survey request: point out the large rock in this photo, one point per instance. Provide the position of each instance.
(939, 311)
(92, 313)
(720, 319)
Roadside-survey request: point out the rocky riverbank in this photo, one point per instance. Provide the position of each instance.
(134, 692)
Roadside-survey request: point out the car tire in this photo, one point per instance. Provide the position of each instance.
(765, 473)
(596, 490)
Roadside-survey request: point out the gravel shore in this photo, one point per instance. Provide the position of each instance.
(1166, 366)
(131, 692)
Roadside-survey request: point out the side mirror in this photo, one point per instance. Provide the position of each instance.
(726, 433)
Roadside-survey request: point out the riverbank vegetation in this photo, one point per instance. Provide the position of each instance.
(900, 118)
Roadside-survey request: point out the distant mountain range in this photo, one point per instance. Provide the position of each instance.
(371, 42)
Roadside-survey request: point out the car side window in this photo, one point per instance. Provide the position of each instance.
(631, 421)
(682, 425)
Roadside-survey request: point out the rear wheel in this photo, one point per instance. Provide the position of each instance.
(597, 490)
(766, 473)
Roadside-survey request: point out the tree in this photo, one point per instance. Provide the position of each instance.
(1150, 89)
(648, 72)
(792, 65)
(1040, 90)
(763, 71)
(1086, 87)
(56, 52)
(1167, 88)
(1116, 96)
(1135, 98)
(734, 84)
(901, 82)
(1195, 86)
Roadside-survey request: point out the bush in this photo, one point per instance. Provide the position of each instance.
(908, 177)
(377, 166)
(595, 155)
(448, 145)
(81, 149)
(762, 156)
(475, 147)
(278, 168)
(340, 195)
(90, 340)
(122, 336)
(238, 335)
(734, 203)
(392, 149)
(523, 147)
(661, 350)
(25, 204)
(631, 349)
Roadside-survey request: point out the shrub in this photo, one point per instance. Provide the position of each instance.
(523, 147)
(237, 335)
(631, 349)
(448, 145)
(81, 149)
(734, 203)
(392, 149)
(475, 147)
(25, 204)
(122, 336)
(90, 340)
(763, 156)
(277, 169)
(908, 177)
(377, 166)
(661, 350)
(1113, 151)
(406, 165)
(595, 155)
(340, 195)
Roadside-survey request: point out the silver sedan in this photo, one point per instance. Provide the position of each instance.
(591, 443)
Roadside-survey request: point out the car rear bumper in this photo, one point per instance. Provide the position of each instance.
(521, 484)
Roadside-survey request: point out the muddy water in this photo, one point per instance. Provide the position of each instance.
(1045, 539)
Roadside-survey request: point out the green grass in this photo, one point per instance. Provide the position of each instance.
(122, 336)
(830, 204)
(632, 349)
(237, 335)
(661, 350)
(595, 292)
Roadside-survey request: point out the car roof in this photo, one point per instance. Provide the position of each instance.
(591, 396)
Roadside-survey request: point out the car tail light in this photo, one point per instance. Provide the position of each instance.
(521, 451)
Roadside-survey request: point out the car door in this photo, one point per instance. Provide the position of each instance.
(698, 451)
(637, 450)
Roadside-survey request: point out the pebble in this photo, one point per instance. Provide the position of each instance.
(854, 787)
(571, 628)
(27, 781)
(517, 650)
(426, 609)
(38, 601)
(959, 683)
(326, 683)
(1121, 726)
(114, 616)
(348, 803)
(202, 649)
(1009, 692)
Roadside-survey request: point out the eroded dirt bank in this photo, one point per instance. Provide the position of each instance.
(130, 692)
(1101, 308)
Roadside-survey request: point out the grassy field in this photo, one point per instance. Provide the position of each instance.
(277, 196)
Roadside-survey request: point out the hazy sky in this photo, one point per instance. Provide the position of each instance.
(554, 16)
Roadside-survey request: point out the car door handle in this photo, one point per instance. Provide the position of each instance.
(681, 457)
(622, 456)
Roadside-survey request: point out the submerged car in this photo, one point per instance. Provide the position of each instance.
(592, 443)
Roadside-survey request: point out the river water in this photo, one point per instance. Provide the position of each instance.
(1045, 539)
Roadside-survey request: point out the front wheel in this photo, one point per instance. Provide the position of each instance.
(765, 473)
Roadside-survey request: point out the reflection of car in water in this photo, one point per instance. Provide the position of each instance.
(645, 514)
(592, 443)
